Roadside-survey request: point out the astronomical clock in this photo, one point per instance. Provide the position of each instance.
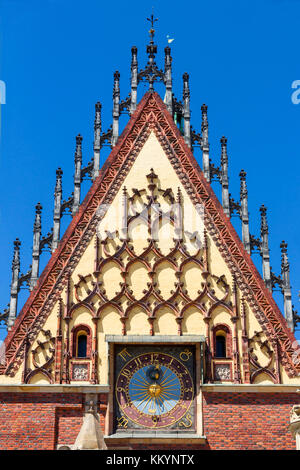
(154, 388)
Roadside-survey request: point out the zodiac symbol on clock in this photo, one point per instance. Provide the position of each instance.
(185, 355)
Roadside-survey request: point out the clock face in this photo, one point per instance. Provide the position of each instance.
(155, 390)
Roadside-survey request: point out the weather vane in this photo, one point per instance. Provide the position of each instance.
(152, 30)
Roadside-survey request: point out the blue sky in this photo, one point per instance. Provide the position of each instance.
(58, 58)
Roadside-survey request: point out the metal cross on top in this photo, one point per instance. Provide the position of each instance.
(152, 30)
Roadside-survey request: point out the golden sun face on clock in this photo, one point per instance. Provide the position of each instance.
(155, 390)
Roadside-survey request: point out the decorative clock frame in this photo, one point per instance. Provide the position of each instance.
(143, 403)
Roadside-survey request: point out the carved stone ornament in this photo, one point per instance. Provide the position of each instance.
(222, 372)
(80, 372)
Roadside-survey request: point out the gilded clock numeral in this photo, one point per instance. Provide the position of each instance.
(126, 372)
(124, 353)
(138, 361)
(154, 358)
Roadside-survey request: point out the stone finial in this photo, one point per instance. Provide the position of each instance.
(224, 177)
(97, 140)
(134, 79)
(97, 124)
(284, 259)
(264, 224)
(57, 209)
(16, 257)
(243, 186)
(286, 286)
(265, 252)
(134, 55)
(14, 288)
(116, 109)
(37, 220)
(224, 156)
(37, 228)
(78, 151)
(168, 57)
(186, 87)
(77, 174)
(205, 143)
(186, 109)
(59, 174)
(168, 80)
(244, 212)
(204, 126)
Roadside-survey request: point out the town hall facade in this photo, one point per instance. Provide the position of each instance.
(150, 327)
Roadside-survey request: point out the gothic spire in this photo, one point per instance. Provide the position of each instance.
(244, 212)
(224, 176)
(134, 79)
(286, 286)
(77, 174)
(97, 141)
(205, 143)
(264, 233)
(116, 109)
(14, 288)
(186, 109)
(151, 47)
(168, 80)
(57, 209)
(37, 228)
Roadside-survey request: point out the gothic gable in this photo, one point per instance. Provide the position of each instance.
(179, 283)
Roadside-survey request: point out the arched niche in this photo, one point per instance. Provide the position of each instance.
(193, 322)
(39, 378)
(110, 322)
(137, 322)
(192, 279)
(165, 234)
(138, 233)
(111, 278)
(263, 379)
(81, 315)
(165, 277)
(137, 279)
(165, 322)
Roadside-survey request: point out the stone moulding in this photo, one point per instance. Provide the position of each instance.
(150, 116)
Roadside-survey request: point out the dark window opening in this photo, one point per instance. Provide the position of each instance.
(81, 345)
(220, 346)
